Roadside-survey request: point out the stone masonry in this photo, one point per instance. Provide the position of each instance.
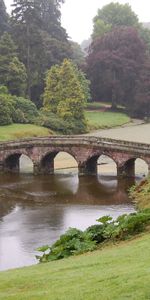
(85, 150)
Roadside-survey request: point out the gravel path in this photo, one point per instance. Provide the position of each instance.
(134, 132)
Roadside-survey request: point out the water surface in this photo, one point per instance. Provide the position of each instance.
(36, 210)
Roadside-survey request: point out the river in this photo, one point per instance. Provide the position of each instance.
(35, 210)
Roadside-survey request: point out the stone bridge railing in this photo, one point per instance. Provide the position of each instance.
(85, 149)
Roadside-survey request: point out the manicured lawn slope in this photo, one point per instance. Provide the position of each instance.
(18, 131)
(116, 272)
(98, 119)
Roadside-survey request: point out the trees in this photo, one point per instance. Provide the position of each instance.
(12, 71)
(111, 16)
(3, 18)
(140, 107)
(65, 93)
(114, 64)
(41, 40)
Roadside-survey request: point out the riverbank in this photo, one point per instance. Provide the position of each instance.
(141, 194)
(115, 272)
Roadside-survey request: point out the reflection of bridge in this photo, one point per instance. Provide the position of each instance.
(85, 150)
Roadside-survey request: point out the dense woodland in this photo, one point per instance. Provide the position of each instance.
(45, 78)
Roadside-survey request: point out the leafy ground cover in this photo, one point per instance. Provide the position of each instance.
(75, 241)
(116, 272)
(18, 131)
(99, 119)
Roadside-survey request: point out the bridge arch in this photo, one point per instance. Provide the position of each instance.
(93, 164)
(48, 164)
(12, 162)
(135, 166)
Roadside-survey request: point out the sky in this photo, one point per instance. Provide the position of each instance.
(77, 15)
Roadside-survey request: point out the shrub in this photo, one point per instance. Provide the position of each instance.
(27, 108)
(75, 241)
(6, 109)
(54, 122)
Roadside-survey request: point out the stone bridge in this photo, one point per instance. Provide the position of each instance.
(85, 150)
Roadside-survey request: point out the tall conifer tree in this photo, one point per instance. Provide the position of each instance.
(3, 18)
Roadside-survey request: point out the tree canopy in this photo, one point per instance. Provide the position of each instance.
(3, 18)
(66, 92)
(113, 15)
(114, 64)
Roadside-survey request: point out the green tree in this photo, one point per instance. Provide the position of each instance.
(12, 71)
(41, 40)
(65, 93)
(17, 77)
(77, 55)
(25, 20)
(113, 15)
(3, 18)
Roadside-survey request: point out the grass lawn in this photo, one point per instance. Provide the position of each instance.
(97, 105)
(100, 105)
(117, 272)
(18, 131)
(99, 119)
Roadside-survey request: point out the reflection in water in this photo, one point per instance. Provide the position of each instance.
(36, 210)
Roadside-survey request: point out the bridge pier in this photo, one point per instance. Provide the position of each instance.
(47, 169)
(127, 169)
(88, 168)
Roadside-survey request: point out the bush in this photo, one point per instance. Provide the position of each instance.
(75, 241)
(6, 109)
(27, 109)
(52, 121)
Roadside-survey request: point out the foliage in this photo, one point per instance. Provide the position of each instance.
(66, 93)
(3, 18)
(77, 55)
(141, 194)
(27, 109)
(111, 16)
(114, 65)
(57, 124)
(40, 38)
(17, 77)
(4, 90)
(75, 241)
(5, 110)
(12, 71)
(16, 109)
(140, 108)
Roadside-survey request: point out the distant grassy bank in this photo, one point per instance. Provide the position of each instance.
(99, 119)
(114, 273)
(19, 131)
(96, 120)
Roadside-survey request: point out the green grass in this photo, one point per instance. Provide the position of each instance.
(99, 119)
(117, 272)
(101, 105)
(98, 105)
(19, 131)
